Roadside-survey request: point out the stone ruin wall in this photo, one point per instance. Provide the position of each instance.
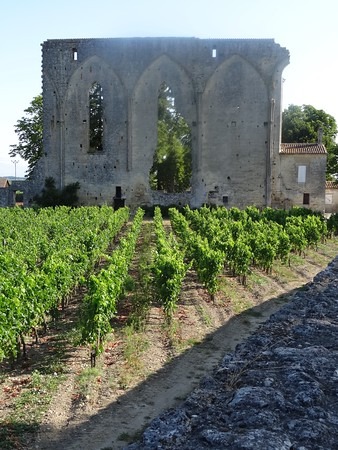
(229, 92)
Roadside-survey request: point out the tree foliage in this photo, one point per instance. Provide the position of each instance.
(171, 169)
(29, 130)
(96, 118)
(301, 124)
(51, 196)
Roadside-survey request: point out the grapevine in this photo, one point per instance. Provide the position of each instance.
(45, 255)
(169, 268)
(106, 287)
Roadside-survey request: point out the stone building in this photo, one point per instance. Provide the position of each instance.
(301, 181)
(331, 197)
(228, 91)
(4, 182)
(9, 189)
(5, 192)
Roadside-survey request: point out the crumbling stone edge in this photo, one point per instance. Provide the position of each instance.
(278, 390)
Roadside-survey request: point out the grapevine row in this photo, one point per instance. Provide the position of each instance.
(106, 287)
(207, 261)
(169, 268)
(44, 256)
(253, 238)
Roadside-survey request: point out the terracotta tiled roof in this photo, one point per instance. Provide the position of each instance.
(331, 185)
(302, 149)
(4, 182)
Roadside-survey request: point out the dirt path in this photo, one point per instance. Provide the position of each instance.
(122, 419)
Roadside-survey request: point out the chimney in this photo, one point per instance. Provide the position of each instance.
(320, 136)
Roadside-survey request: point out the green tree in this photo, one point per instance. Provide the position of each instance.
(29, 130)
(96, 118)
(171, 170)
(301, 124)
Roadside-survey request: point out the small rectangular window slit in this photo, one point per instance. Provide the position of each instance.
(301, 174)
(306, 199)
(214, 52)
(74, 54)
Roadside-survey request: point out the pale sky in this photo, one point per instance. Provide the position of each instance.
(307, 28)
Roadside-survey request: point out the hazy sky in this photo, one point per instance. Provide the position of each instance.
(307, 28)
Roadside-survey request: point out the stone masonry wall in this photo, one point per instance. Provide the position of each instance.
(314, 185)
(229, 92)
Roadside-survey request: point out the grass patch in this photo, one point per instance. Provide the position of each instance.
(35, 398)
(14, 435)
(134, 346)
(228, 287)
(173, 330)
(205, 316)
(32, 401)
(256, 279)
(240, 304)
(296, 260)
(87, 380)
(128, 438)
(124, 437)
(283, 274)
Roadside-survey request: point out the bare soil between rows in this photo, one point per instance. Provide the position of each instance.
(126, 395)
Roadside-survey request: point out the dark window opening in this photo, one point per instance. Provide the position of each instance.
(306, 199)
(118, 200)
(118, 192)
(225, 199)
(18, 197)
(74, 54)
(95, 118)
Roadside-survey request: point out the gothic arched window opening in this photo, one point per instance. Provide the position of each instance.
(171, 170)
(95, 118)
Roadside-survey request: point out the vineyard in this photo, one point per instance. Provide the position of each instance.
(50, 255)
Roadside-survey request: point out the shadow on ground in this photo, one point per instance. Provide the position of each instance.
(123, 420)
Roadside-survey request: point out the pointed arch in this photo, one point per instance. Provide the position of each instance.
(235, 123)
(144, 109)
(95, 72)
(171, 170)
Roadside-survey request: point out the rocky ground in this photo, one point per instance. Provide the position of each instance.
(278, 390)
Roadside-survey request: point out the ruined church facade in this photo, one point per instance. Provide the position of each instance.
(228, 91)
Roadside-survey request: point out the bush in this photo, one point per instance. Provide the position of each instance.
(51, 196)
